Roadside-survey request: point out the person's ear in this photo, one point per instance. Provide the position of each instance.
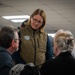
(12, 43)
(55, 50)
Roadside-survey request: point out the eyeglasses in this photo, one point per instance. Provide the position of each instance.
(38, 21)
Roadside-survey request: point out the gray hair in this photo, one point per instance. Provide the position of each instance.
(64, 40)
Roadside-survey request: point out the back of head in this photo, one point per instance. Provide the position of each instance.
(64, 40)
(25, 69)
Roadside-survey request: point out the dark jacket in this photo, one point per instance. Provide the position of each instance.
(6, 62)
(63, 64)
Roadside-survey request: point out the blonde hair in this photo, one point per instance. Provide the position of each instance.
(64, 40)
(42, 14)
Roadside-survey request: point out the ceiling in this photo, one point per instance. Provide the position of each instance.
(60, 13)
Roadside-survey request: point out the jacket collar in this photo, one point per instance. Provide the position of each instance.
(2, 49)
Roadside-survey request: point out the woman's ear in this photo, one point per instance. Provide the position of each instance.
(55, 50)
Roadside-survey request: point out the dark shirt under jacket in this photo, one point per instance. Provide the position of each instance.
(64, 63)
(6, 62)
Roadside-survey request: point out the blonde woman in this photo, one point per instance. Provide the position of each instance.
(35, 44)
(64, 62)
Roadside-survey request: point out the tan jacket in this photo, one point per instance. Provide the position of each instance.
(33, 45)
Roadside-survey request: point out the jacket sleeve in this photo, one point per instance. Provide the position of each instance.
(5, 71)
(49, 48)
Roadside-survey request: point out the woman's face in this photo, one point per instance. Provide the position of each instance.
(36, 21)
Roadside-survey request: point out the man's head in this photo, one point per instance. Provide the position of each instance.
(9, 38)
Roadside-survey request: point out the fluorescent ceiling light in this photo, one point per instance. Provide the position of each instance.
(51, 34)
(18, 20)
(16, 17)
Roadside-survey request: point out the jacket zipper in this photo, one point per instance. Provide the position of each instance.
(34, 49)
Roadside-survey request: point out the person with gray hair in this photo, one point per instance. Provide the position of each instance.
(64, 40)
(9, 42)
(64, 62)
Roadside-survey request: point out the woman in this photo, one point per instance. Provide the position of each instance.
(35, 44)
(64, 62)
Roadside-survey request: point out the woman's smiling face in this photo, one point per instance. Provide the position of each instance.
(36, 21)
